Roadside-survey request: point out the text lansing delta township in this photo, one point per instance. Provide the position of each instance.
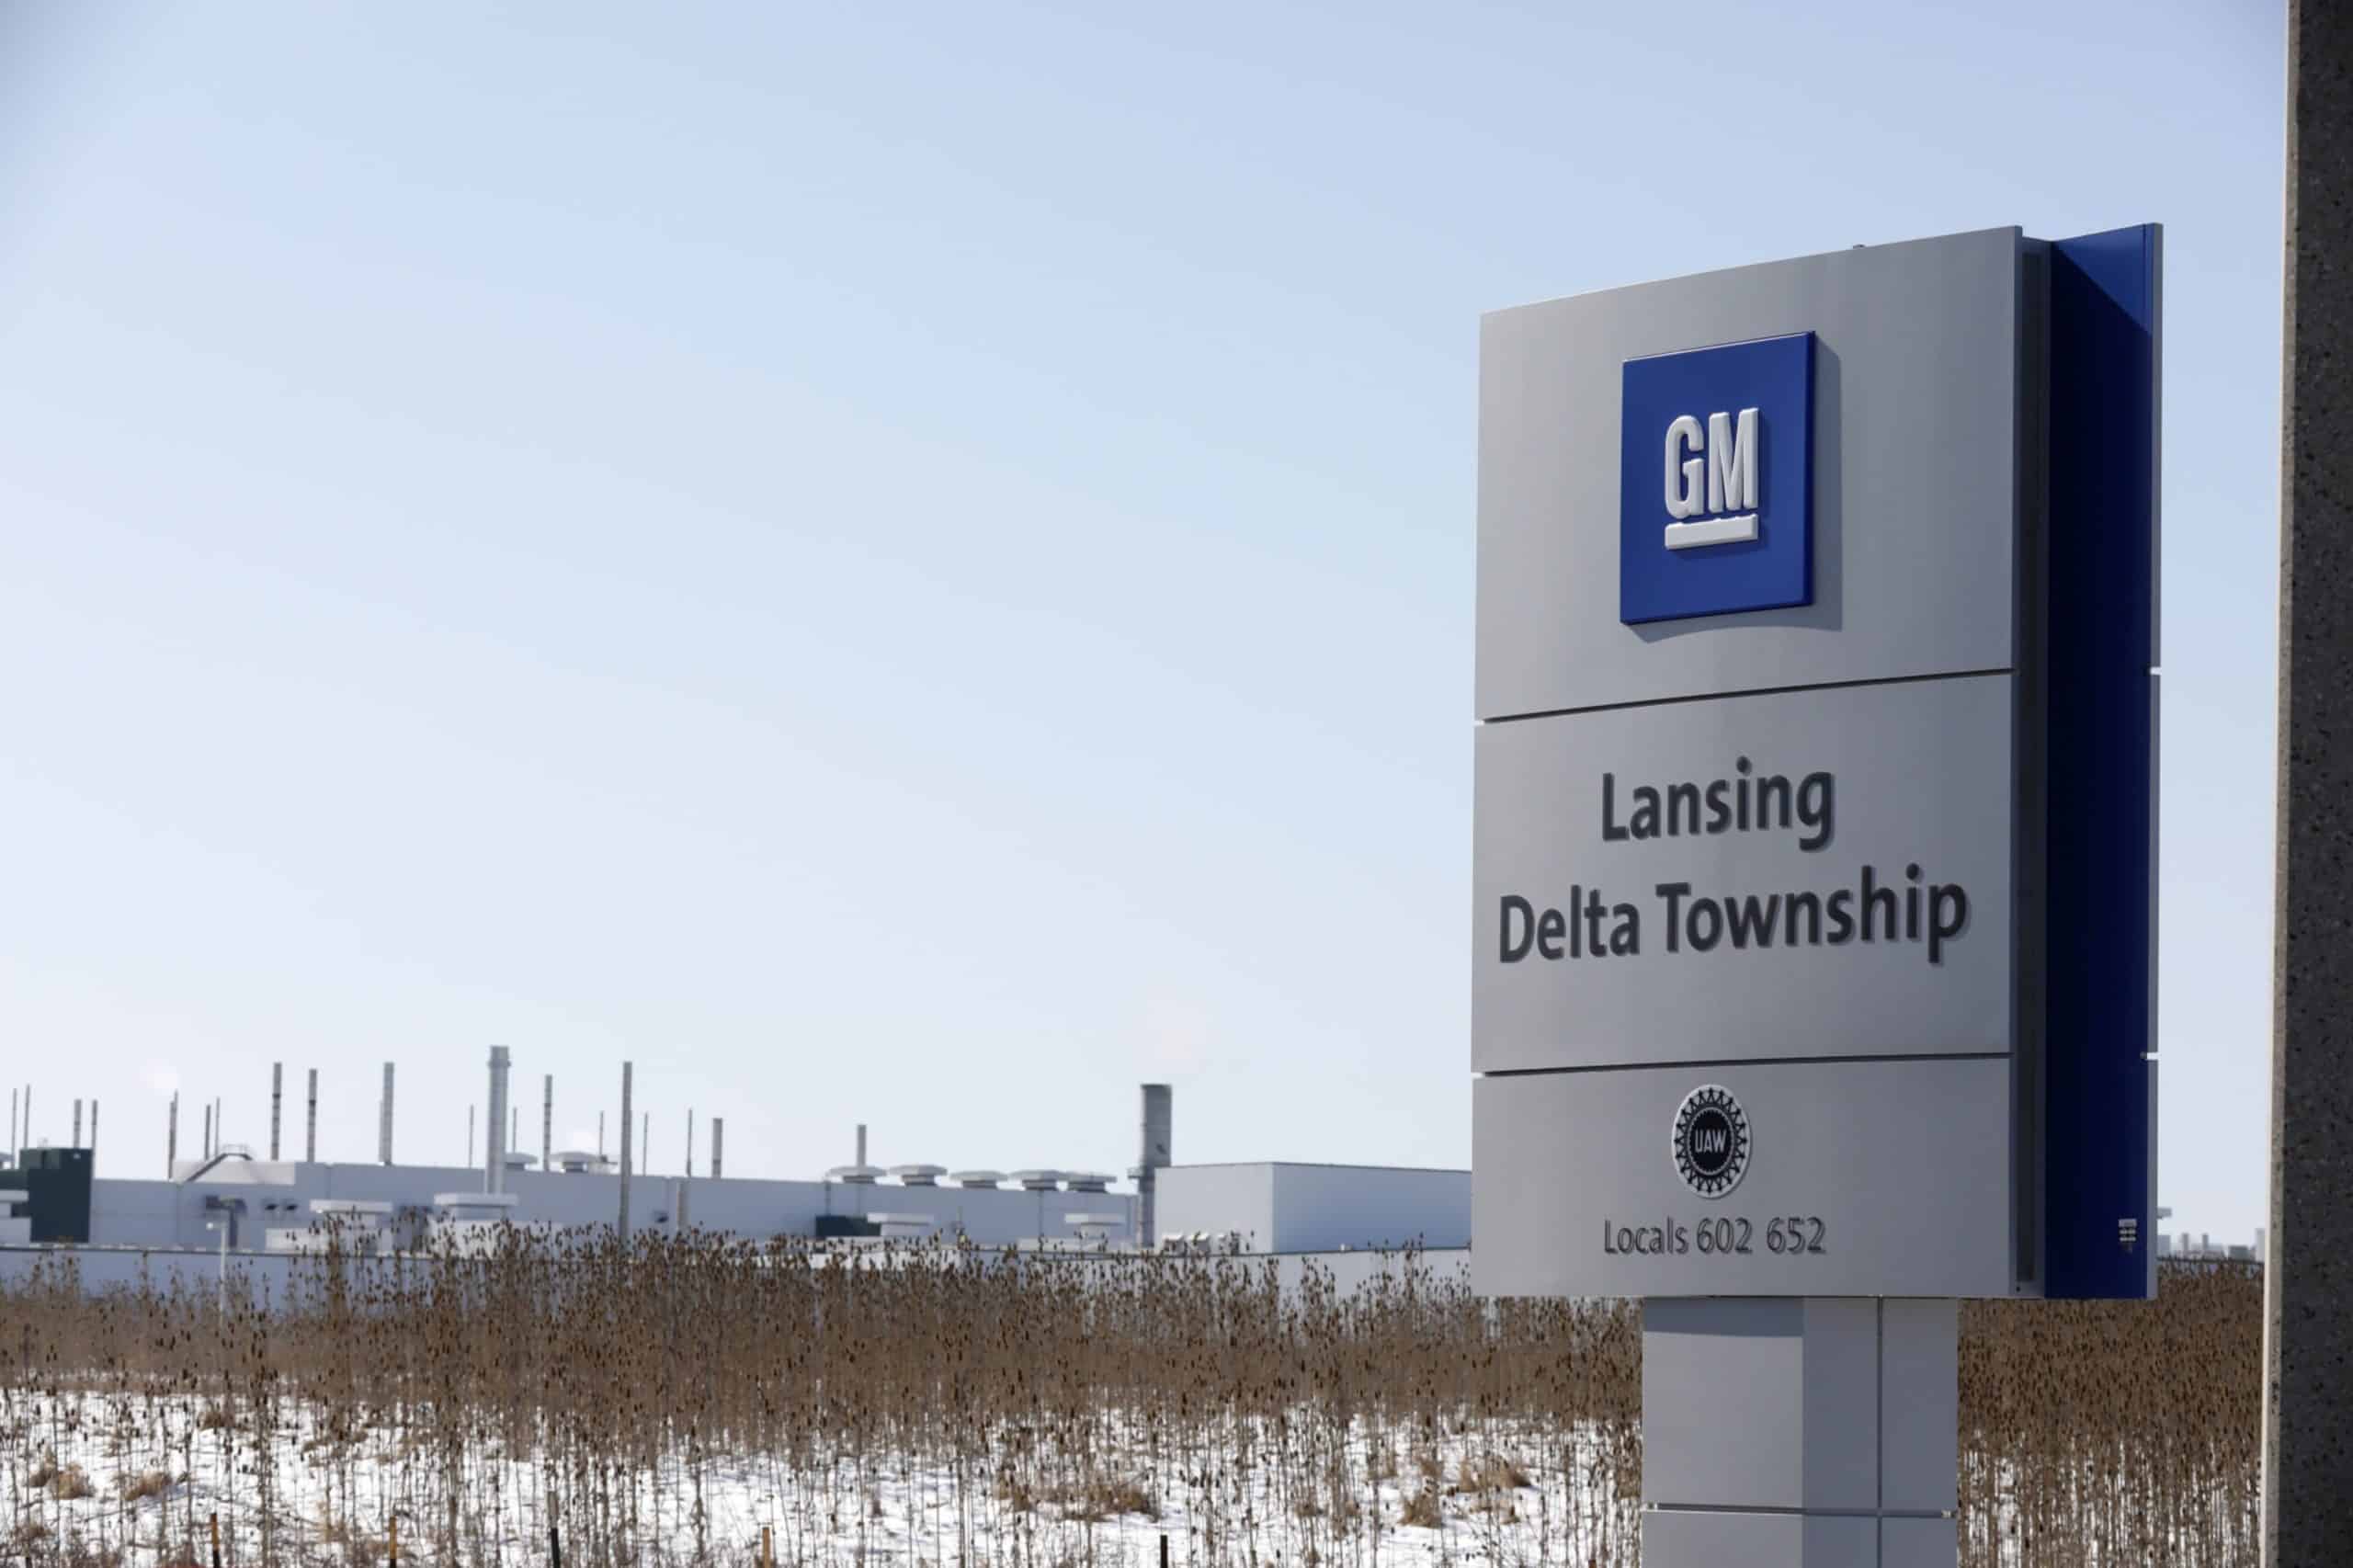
(1876, 908)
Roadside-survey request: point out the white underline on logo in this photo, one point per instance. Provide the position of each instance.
(1711, 530)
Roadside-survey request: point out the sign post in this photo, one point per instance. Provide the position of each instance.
(1814, 892)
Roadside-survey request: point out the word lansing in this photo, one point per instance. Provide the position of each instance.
(1711, 492)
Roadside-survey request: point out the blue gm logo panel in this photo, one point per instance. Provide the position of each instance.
(1715, 480)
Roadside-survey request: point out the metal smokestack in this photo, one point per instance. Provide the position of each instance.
(625, 1148)
(384, 1121)
(862, 1143)
(206, 1145)
(494, 1143)
(546, 1123)
(1152, 1157)
(171, 1136)
(77, 1124)
(718, 1146)
(94, 1135)
(277, 1100)
(311, 1128)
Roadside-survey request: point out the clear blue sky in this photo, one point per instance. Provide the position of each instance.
(915, 563)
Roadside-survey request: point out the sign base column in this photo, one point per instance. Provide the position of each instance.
(1810, 1432)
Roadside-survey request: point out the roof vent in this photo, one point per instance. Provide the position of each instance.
(1038, 1181)
(977, 1179)
(857, 1176)
(919, 1175)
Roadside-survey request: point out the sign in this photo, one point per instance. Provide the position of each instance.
(1727, 435)
(1802, 847)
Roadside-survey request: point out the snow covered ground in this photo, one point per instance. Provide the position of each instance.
(138, 1480)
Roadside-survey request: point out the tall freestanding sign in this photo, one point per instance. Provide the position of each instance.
(1814, 893)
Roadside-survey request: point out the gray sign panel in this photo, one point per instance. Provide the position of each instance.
(1852, 1179)
(1914, 421)
(1797, 874)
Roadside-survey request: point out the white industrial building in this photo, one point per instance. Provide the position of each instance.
(257, 1198)
(227, 1200)
(1281, 1207)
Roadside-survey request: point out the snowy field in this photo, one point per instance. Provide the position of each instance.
(137, 1480)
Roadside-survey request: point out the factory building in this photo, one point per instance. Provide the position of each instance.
(227, 1197)
(1280, 1206)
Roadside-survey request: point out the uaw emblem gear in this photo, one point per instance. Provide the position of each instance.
(1711, 1141)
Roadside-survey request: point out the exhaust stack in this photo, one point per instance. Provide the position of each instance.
(494, 1143)
(1158, 1115)
(626, 1068)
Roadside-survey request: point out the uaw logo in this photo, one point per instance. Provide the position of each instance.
(1715, 493)
(1711, 1141)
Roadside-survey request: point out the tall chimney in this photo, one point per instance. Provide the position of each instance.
(1153, 1157)
(384, 1121)
(862, 1143)
(718, 1146)
(172, 1137)
(94, 1135)
(625, 1149)
(546, 1123)
(77, 1123)
(311, 1129)
(205, 1147)
(277, 1099)
(691, 1142)
(493, 1140)
(12, 1124)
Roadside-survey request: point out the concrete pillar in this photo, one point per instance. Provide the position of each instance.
(1801, 1432)
(2307, 1266)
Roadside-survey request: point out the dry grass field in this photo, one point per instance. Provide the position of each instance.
(702, 1401)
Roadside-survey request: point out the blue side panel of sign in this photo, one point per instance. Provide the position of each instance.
(1772, 570)
(2098, 1204)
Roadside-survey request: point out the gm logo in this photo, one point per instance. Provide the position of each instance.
(1715, 480)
